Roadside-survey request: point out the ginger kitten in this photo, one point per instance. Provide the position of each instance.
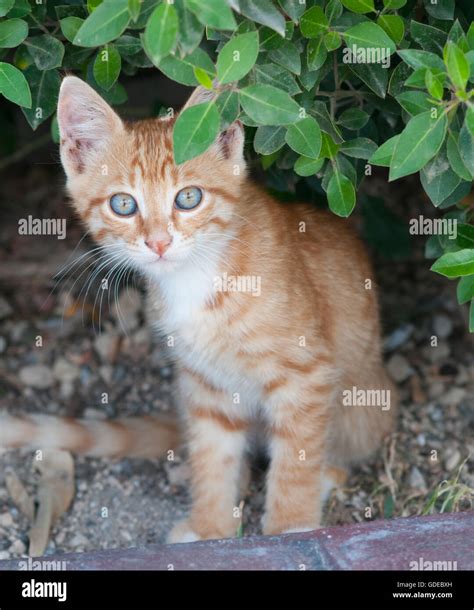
(270, 312)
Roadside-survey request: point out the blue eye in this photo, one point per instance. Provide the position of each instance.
(123, 204)
(188, 198)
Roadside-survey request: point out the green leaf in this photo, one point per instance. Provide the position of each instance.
(268, 139)
(161, 32)
(454, 157)
(107, 22)
(332, 40)
(341, 194)
(469, 119)
(443, 10)
(470, 37)
(466, 148)
(455, 264)
(360, 148)
(421, 59)
(93, 4)
(375, 76)
(271, 74)
(353, 118)
(195, 130)
(418, 78)
(305, 166)
(321, 114)
(264, 12)
(333, 10)
(384, 153)
(370, 36)
(457, 65)
(46, 51)
(203, 78)
(212, 13)
(14, 86)
(414, 102)
(190, 28)
(44, 86)
(316, 53)
(182, 71)
(107, 66)
(228, 105)
(465, 236)
(314, 22)
(6, 5)
(457, 195)
(12, 33)
(419, 142)
(134, 7)
(438, 179)
(394, 4)
(359, 6)
(304, 137)
(428, 37)
(268, 105)
(20, 9)
(70, 26)
(393, 25)
(293, 8)
(237, 57)
(435, 84)
(287, 56)
(128, 45)
(329, 148)
(465, 289)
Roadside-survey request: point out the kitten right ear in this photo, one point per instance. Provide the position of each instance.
(86, 124)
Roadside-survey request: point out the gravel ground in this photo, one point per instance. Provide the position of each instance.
(76, 364)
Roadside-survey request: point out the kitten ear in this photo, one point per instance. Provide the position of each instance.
(230, 142)
(86, 124)
(199, 96)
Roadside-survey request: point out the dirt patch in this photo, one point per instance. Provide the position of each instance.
(81, 357)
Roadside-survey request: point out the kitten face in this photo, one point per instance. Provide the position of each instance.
(131, 195)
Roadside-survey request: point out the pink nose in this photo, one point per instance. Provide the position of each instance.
(159, 244)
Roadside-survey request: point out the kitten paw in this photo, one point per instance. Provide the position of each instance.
(182, 532)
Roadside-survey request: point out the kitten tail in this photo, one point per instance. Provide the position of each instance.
(139, 437)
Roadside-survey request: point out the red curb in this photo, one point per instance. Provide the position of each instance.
(379, 545)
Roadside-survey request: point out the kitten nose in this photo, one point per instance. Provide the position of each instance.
(159, 243)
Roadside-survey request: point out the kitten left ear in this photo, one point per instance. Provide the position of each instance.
(230, 142)
(86, 124)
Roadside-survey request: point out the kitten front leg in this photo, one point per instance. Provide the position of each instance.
(216, 449)
(298, 443)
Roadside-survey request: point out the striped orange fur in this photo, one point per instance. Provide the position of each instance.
(280, 359)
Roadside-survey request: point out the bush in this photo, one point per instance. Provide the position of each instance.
(330, 88)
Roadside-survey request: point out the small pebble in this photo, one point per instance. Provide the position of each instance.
(18, 548)
(453, 460)
(399, 368)
(37, 376)
(442, 326)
